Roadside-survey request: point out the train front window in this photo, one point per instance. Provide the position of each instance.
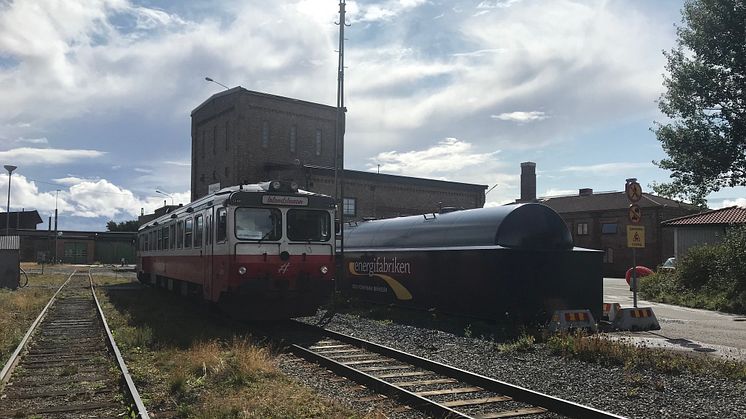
(258, 224)
(309, 225)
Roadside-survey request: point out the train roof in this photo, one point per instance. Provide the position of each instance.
(221, 196)
(517, 226)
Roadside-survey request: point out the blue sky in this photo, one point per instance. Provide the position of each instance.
(97, 93)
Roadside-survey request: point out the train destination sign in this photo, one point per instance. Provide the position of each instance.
(300, 201)
(636, 237)
(634, 213)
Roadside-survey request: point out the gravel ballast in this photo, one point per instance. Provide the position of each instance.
(635, 394)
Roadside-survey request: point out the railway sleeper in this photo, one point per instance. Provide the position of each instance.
(57, 393)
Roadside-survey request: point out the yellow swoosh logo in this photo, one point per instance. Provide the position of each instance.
(400, 291)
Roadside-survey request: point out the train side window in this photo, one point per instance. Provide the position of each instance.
(198, 223)
(187, 233)
(222, 227)
(172, 235)
(164, 232)
(179, 234)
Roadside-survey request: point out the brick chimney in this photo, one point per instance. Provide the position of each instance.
(528, 182)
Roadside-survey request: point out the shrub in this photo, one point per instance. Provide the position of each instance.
(711, 277)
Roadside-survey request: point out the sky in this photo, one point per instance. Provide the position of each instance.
(96, 94)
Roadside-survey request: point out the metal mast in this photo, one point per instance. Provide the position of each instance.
(340, 128)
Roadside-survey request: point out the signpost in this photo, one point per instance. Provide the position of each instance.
(635, 233)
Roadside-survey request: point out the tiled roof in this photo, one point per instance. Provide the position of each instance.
(730, 215)
(604, 201)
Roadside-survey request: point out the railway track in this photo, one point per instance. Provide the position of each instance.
(437, 389)
(67, 365)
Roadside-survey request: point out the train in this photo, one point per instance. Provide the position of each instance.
(515, 263)
(268, 251)
(260, 251)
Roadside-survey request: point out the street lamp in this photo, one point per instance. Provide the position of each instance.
(168, 195)
(10, 169)
(216, 82)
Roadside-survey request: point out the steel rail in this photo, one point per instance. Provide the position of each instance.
(518, 393)
(141, 411)
(378, 385)
(15, 357)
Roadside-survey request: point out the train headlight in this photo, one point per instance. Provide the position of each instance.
(324, 270)
(242, 270)
(294, 186)
(275, 185)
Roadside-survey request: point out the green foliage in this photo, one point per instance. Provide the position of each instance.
(524, 343)
(711, 277)
(704, 99)
(131, 225)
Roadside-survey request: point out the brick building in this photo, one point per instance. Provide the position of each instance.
(240, 135)
(599, 221)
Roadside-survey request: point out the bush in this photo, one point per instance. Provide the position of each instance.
(711, 277)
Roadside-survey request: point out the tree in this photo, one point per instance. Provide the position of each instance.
(706, 101)
(131, 225)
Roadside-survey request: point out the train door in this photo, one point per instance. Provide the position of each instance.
(207, 256)
(220, 249)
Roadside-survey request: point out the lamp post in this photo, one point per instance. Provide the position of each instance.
(217, 82)
(168, 195)
(10, 169)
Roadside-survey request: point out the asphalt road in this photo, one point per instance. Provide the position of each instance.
(683, 328)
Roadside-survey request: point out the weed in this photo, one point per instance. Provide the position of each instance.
(524, 343)
(467, 331)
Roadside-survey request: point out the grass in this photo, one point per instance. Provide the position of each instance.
(523, 343)
(188, 362)
(602, 350)
(20, 307)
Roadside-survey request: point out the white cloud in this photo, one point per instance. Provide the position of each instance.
(82, 198)
(33, 140)
(519, 116)
(560, 192)
(448, 156)
(385, 10)
(178, 163)
(39, 156)
(607, 168)
(497, 4)
(741, 202)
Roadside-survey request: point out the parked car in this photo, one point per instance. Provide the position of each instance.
(668, 266)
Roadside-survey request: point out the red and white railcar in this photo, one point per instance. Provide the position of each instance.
(262, 251)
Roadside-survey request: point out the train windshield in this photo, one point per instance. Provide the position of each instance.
(309, 225)
(258, 224)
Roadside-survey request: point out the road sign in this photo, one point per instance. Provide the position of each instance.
(636, 237)
(634, 213)
(633, 191)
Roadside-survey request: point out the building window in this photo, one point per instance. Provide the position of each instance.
(608, 228)
(349, 205)
(609, 255)
(265, 134)
(202, 143)
(318, 142)
(582, 229)
(226, 136)
(293, 138)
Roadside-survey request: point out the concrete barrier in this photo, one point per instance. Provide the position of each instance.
(642, 318)
(610, 310)
(564, 320)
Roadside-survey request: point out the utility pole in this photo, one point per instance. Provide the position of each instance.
(340, 128)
